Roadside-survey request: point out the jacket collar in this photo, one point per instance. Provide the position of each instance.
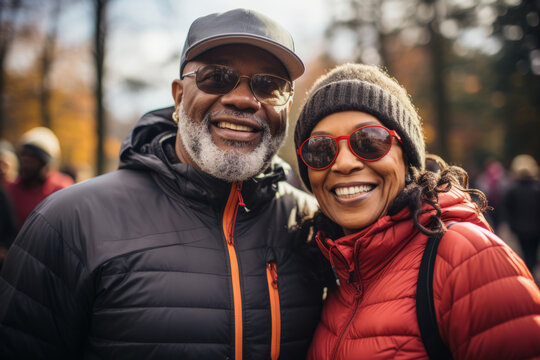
(368, 251)
(150, 147)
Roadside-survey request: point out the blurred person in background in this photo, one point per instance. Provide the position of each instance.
(188, 250)
(8, 226)
(39, 154)
(9, 164)
(492, 181)
(71, 171)
(361, 151)
(522, 207)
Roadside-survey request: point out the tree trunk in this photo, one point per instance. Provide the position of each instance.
(7, 14)
(99, 57)
(47, 59)
(442, 115)
(441, 112)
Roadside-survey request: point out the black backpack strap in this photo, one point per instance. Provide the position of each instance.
(425, 306)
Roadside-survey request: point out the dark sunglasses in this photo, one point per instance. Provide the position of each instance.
(219, 80)
(369, 143)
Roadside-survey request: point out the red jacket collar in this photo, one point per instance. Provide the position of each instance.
(363, 254)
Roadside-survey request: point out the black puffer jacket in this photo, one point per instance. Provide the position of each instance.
(158, 261)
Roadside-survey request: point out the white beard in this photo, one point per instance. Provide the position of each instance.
(228, 165)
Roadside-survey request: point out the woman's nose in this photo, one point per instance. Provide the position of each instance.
(346, 161)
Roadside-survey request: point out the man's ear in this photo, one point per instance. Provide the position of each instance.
(177, 91)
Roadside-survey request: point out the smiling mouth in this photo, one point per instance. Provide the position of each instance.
(352, 191)
(235, 127)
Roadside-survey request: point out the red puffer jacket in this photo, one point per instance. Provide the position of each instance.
(487, 304)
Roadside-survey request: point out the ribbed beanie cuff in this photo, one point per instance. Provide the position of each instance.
(362, 96)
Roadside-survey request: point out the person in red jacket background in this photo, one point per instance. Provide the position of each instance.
(361, 151)
(38, 152)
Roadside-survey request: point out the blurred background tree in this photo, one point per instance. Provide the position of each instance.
(517, 81)
(100, 36)
(472, 67)
(8, 14)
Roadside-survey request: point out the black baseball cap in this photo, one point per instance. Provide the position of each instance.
(241, 26)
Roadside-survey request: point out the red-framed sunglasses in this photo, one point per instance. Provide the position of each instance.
(368, 143)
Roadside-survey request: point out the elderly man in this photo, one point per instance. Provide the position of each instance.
(188, 251)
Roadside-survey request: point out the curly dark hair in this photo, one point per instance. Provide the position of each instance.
(422, 187)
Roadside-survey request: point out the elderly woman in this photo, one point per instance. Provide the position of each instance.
(361, 152)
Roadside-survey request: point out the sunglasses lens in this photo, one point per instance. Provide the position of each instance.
(220, 80)
(318, 152)
(371, 143)
(214, 79)
(270, 89)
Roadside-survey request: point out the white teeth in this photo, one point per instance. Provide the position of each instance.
(352, 190)
(228, 125)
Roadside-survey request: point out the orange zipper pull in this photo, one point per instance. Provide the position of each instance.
(232, 208)
(240, 198)
(272, 267)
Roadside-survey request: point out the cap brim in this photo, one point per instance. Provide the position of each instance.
(289, 59)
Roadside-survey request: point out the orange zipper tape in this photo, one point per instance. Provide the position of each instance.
(229, 219)
(272, 277)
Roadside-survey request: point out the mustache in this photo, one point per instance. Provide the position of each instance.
(235, 113)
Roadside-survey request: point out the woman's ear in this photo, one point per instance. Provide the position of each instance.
(408, 171)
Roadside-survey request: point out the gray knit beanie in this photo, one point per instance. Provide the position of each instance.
(368, 89)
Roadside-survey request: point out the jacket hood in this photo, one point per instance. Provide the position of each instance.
(139, 147)
(150, 147)
(378, 243)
